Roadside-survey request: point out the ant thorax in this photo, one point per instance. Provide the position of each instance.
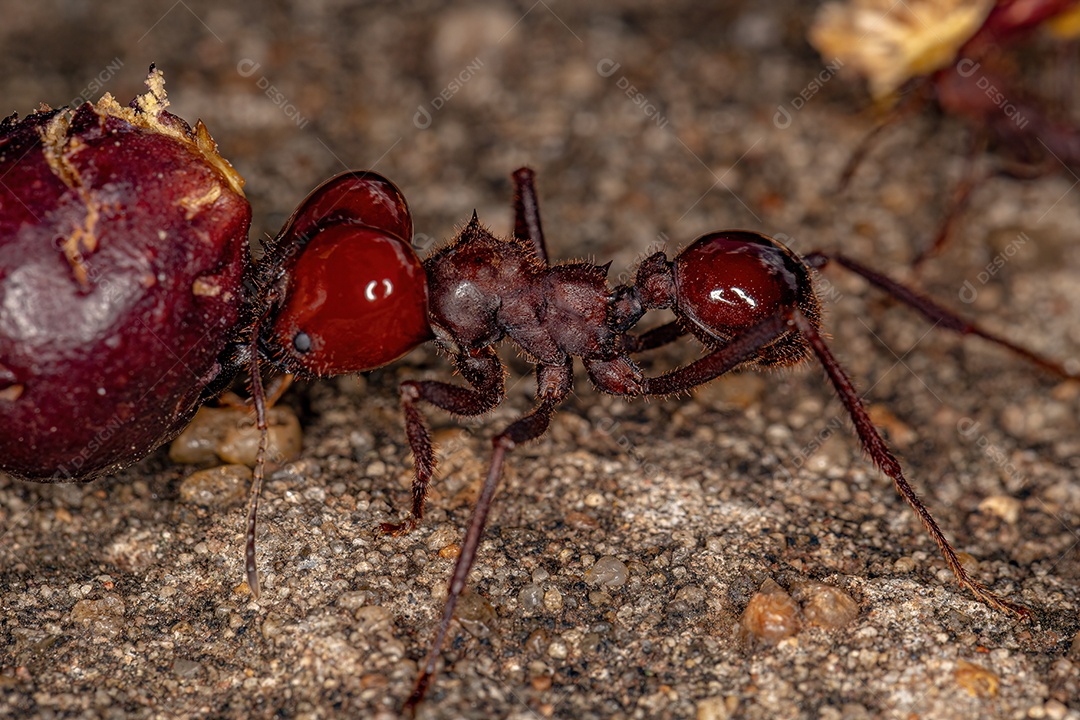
(482, 289)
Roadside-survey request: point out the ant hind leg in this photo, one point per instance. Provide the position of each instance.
(883, 458)
(554, 383)
(932, 311)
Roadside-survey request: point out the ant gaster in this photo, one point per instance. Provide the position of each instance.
(340, 290)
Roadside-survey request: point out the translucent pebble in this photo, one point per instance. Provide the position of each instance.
(217, 487)
(100, 618)
(476, 614)
(827, 606)
(607, 571)
(771, 615)
(531, 598)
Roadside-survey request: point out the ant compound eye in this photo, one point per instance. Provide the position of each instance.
(728, 281)
(352, 198)
(360, 296)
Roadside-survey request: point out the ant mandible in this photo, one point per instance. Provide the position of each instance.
(340, 290)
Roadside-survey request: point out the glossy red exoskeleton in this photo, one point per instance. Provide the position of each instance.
(341, 291)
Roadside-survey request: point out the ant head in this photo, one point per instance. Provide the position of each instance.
(723, 283)
(354, 293)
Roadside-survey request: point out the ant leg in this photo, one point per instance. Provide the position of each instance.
(879, 452)
(620, 376)
(745, 347)
(484, 372)
(741, 348)
(858, 155)
(961, 195)
(651, 339)
(554, 383)
(527, 212)
(931, 310)
(272, 391)
(911, 105)
(258, 401)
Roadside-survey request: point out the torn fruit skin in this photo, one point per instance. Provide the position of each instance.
(123, 244)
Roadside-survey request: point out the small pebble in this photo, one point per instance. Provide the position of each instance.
(537, 642)
(553, 600)
(1003, 506)
(1055, 710)
(581, 521)
(771, 615)
(608, 571)
(977, 680)
(717, 707)
(739, 390)
(217, 487)
(197, 444)
(827, 606)
(441, 536)
(899, 433)
(968, 561)
(531, 598)
(186, 668)
(692, 595)
(240, 443)
(229, 433)
(904, 565)
(373, 618)
(599, 597)
(558, 650)
(101, 618)
(475, 614)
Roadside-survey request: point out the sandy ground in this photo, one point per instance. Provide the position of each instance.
(122, 599)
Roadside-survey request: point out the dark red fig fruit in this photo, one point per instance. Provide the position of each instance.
(123, 246)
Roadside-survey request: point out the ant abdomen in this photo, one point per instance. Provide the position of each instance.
(726, 282)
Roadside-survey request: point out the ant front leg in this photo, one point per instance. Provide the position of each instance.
(259, 404)
(913, 103)
(743, 348)
(553, 384)
(879, 452)
(484, 372)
